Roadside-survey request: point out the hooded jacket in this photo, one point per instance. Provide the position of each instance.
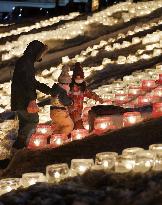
(24, 84)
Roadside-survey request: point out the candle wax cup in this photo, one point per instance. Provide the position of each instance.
(80, 166)
(106, 159)
(57, 172)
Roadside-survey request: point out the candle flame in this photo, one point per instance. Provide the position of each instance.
(57, 175)
(82, 168)
(37, 142)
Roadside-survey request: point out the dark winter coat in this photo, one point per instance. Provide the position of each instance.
(60, 97)
(24, 84)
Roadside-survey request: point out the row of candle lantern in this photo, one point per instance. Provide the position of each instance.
(7, 104)
(101, 125)
(38, 25)
(46, 35)
(133, 159)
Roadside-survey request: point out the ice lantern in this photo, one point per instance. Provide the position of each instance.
(80, 166)
(134, 91)
(79, 134)
(38, 141)
(148, 84)
(103, 124)
(121, 98)
(43, 129)
(57, 140)
(131, 118)
(157, 110)
(106, 160)
(57, 172)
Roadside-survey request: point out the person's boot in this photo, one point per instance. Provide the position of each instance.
(20, 143)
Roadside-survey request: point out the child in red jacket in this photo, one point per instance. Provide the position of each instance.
(78, 91)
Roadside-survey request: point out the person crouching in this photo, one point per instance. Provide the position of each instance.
(59, 113)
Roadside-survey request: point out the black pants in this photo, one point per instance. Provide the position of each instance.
(27, 126)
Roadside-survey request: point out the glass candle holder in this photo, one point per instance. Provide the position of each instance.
(140, 76)
(156, 148)
(121, 99)
(57, 172)
(103, 123)
(134, 90)
(106, 160)
(128, 79)
(31, 178)
(144, 100)
(150, 71)
(158, 92)
(157, 166)
(124, 163)
(148, 84)
(44, 129)
(80, 166)
(131, 118)
(118, 91)
(131, 150)
(57, 140)
(79, 134)
(9, 184)
(157, 110)
(5, 188)
(144, 161)
(38, 141)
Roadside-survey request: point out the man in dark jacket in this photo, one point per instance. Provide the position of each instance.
(23, 91)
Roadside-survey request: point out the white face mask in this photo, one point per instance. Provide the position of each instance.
(79, 81)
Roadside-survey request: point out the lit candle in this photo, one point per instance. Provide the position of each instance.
(144, 161)
(144, 100)
(134, 90)
(9, 184)
(31, 178)
(131, 118)
(156, 148)
(121, 99)
(38, 141)
(131, 150)
(44, 129)
(157, 110)
(128, 79)
(124, 163)
(57, 172)
(158, 161)
(79, 134)
(103, 124)
(80, 166)
(106, 159)
(148, 84)
(57, 140)
(158, 92)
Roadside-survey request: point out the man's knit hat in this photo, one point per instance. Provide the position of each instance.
(78, 70)
(64, 76)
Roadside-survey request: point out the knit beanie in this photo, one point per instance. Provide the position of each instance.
(78, 70)
(64, 76)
